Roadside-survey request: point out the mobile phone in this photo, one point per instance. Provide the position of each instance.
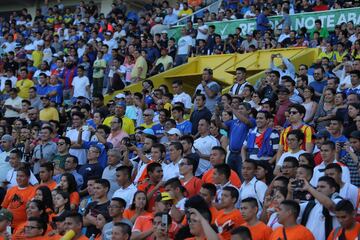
(85, 128)
(164, 221)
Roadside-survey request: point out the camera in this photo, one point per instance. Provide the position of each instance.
(127, 142)
(298, 184)
(341, 144)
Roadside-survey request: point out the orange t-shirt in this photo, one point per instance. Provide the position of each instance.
(349, 234)
(298, 232)
(234, 178)
(214, 213)
(194, 3)
(82, 237)
(260, 231)
(128, 213)
(194, 238)
(55, 237)
(19, 233)
(192, 186)
(75, 198)
(144, 174)
(146, 187)
(15, 201)
(226, 221)
(51, 185)
(145, 223)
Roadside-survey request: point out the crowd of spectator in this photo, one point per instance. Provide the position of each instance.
(275, 160)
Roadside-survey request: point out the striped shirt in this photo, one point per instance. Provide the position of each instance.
(274, 142)
(307, 130)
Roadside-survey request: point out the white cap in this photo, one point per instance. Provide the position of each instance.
(173, 131)
(120, 95)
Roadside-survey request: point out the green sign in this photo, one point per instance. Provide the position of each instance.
(328, 18)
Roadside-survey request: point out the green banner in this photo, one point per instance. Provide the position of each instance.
(328, 18)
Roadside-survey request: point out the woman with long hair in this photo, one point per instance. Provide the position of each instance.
(325, 111)
(349, 124)
(264, 172)
(309, 104)
(215, 132)
(43, 194)
(68, 184)
(138, 207)
(61, 202)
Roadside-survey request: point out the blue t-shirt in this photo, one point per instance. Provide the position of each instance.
(158, 129)
(184, 127)
(318, 86)
(59, 93)
(103, 154)
(261, 19)
(42, 90)
(343, 139)
(237, 133)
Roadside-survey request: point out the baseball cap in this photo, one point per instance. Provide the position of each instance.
(164, 31)
(322, 134)
(7, 138)
(173, 131)
(148, 131)
(5, 215)
(120, 95)
(355, 134)
(165, 196)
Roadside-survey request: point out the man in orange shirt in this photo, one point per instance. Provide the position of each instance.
(17, 197)
(259, 230)
(154, 185)
(288, 213)
(46, 174)
(229, 217)
(208, 193)
(74, 222)
(217, 156)
(187, 169)
(349, 228)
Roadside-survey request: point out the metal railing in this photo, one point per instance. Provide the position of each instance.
(212, 8)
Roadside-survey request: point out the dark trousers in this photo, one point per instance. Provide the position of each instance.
(235, 162)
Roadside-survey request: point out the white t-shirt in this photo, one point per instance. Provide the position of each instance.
(289, 154)
(11, 178)
(171, 170)
(80, 84)
(316, 220)
(4, 165)
(79, 153)
(204, 145)
(15, 103)
(3, 80)
(319, 171)
(350, 192)
(183, 45)
(9, 47)
(184, 98)
(111, 43)
(201, 35)
(127, 194)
